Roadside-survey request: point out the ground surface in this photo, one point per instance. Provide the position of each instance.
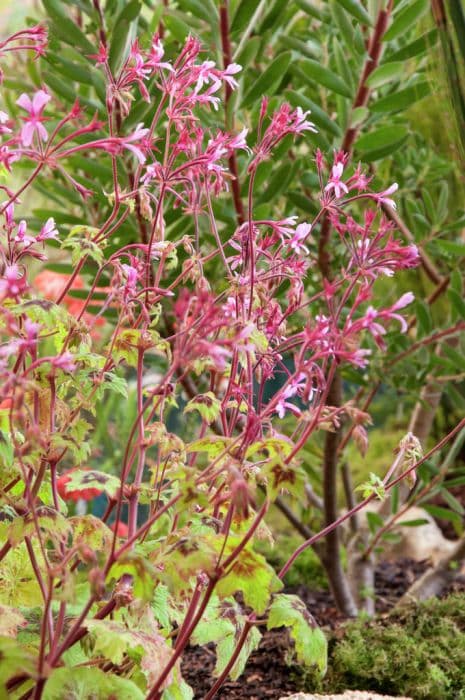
(267, 674)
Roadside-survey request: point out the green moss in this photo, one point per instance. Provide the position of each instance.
(419, 652)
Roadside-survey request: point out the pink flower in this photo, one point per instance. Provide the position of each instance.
(359, 180)
(21, 236)
(156, 54)
(64, 362)
(13, 283)
(138, 135)
(301, 123)
(405, 300)
(283, 226)
(239, 142)
(116, 144)
(102, 56)
(384, 197)
(300, 234)
(335, 183)
(129, 288)
(372, 317)
(33, 124)
(48, 230)
(296, 386)
(3, 120)
(231, 70)
(7, 157)
(401, 303)
(9, 213)
(288, 121)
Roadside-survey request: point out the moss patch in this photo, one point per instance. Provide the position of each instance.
(419, 652)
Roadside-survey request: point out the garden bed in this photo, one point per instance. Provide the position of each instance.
(270, 672)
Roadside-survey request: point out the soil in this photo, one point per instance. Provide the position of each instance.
(267, 674)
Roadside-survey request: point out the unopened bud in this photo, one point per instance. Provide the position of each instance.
(87, 554)
(123, 594)
(413, 452)
(97, 582)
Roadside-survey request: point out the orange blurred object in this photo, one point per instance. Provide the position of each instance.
(122, 529)
(51, 284)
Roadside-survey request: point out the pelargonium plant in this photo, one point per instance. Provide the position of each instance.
(194, 326)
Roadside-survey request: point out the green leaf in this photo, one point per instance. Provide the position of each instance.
(443, 513)
(177, 27)
(456, 356)
(402, 99)
(243, 15)
(90, 530)
(306, 48)
(223, 624)
(179, 689)
(213, 445)
(253, 576)
(61, 88)
(358, 116)
(206, 404)
(273, 446)
(279, 181)
(318, 116)
(185, 559)
(343, 22)
(375, 521)
(452, 502)
(203, 10)
(424, 43)
(72, 70)
(386, 136)
(280, 477)
(79, 241)
(311, 9)
(373, 487)
(10, 620)
(424, 319)
(449, 248)
(310, 642)
(160, 605)
(406, 18)
(130, 11)
(52, 524)
(315, 72)
(412, 523)
(111, 639)
(344, 69)
(356, 9)
(7, 449)
(140, 569)
(272, 75)
(89, 684)
(116, 384)
(65, 28)
(14, 656)
(123, 34)
(82, 479)
(385, 73)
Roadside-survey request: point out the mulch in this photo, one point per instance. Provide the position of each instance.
(268, 673)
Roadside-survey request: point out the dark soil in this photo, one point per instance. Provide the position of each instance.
(268, 674)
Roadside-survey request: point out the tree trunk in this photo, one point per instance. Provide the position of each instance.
(332, 553)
